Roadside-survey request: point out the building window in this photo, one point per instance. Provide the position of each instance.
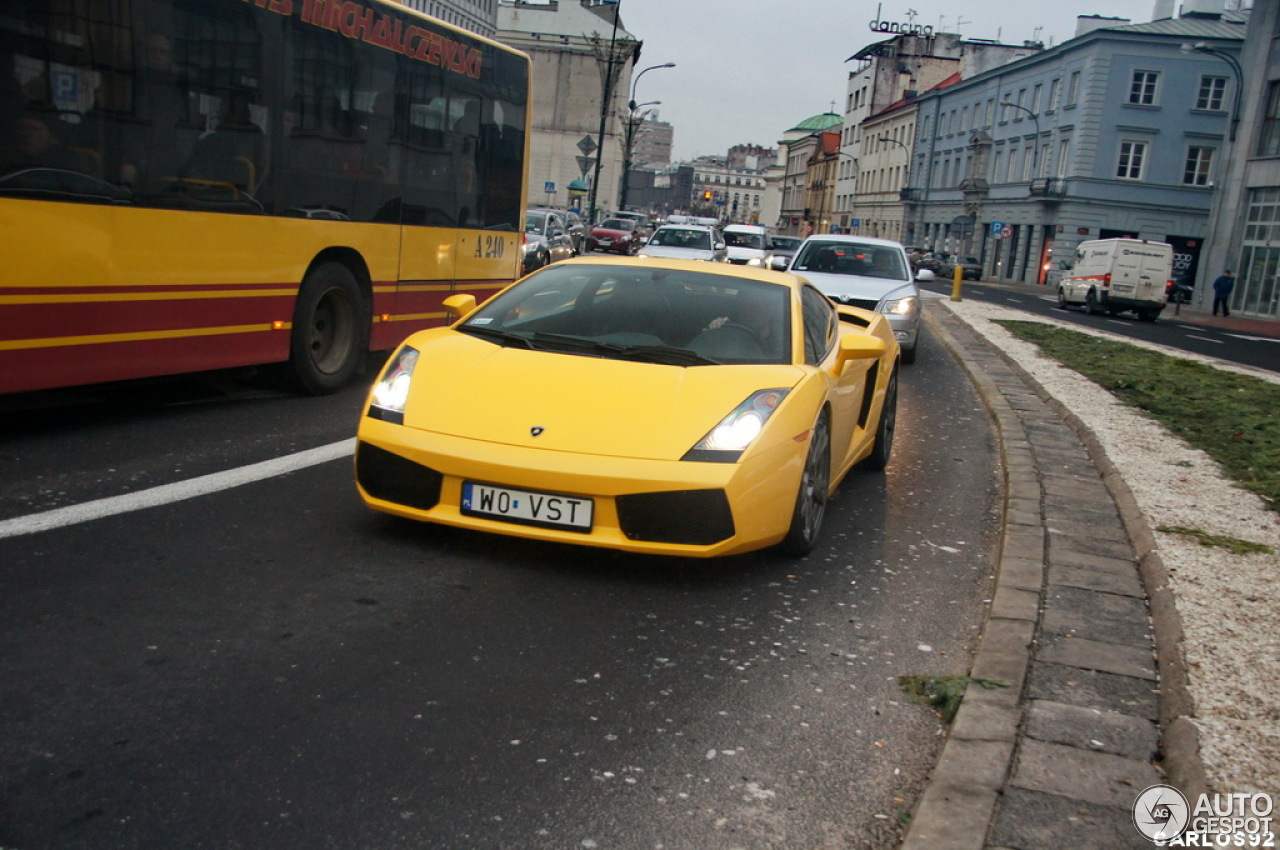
(1269, 138)
(1073, 89)
(1055, 94)
(1132, 155)
(1199, 162)
(1035, 99)
(1142, 88)
(1213, 90)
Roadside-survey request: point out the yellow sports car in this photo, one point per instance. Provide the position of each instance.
(674, 407)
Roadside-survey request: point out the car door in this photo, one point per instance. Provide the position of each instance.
(844, 391)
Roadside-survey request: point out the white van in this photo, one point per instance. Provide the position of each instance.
(749, 245)
(1114, 275)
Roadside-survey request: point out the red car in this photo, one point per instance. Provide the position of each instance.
(617, 235)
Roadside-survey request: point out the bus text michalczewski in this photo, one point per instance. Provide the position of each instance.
(356, 20)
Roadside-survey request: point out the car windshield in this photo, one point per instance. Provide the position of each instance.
(617, 224)
(786, 243)
(681, 237)
(851, 258)
(655, 315)
(535, 222)
(744, 240)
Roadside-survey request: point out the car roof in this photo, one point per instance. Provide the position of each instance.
(853, 239)
(747, 228)
(722, 269)
(675, 225)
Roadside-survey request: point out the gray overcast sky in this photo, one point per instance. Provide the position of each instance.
(749, 70)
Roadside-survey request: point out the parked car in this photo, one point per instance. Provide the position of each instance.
(669, 407)
(643, 227)
(935, 262)
(546, 240)
(685, 242)
(749, 245)
(870, 273)
(971, 268)
(615, 235)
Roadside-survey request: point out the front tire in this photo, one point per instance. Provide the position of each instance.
(330, 330)
(1091, 305)
(811, 499)
(888, 424)
(1062, 298)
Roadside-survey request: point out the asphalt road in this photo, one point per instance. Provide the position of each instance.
(272, 666)
(1170, 329)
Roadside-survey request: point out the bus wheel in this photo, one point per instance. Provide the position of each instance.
(330, 330)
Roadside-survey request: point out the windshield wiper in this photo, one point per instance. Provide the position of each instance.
(664, 354)
(504, 338)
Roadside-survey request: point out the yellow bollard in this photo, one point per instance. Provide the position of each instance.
(957, 275)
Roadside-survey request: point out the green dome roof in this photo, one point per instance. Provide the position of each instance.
(817, 123)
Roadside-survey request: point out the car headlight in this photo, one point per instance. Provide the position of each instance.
(391, 393)
(902, 306)
(756, 261)
(726, 442)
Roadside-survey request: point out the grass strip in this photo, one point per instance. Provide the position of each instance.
(1233, 418)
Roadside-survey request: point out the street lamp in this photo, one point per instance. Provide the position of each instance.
(629, 139)
(636, 81)
(1236, 71)
(1035, 148)
(906, 169)
(628, 146)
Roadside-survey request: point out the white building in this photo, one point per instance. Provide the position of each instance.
(574, 45)
(478, 16)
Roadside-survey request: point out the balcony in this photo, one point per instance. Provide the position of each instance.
(909, 193)
(1049, 188)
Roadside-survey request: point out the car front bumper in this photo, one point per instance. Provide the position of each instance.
(683, 508)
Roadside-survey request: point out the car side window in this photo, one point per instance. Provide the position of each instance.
(821, 325)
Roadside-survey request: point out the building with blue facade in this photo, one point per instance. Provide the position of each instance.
(1116, 132)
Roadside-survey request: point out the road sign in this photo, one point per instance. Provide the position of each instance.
(587, 145)
(549, 187)
(1006, 232)
(585, 163)
(996, 227)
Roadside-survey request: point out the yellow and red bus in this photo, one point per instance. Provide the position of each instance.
(189, 185)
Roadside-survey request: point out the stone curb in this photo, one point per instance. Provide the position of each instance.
(956, 807)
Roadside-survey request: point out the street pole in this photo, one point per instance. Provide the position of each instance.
(629, 138)
(604, 115)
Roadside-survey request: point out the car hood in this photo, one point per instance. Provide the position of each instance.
(856, 286)
(737, 252)
(609, 231)
(472, 388)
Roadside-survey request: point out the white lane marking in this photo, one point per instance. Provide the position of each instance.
(1254, 338)
(175, 492)
(1205, 339)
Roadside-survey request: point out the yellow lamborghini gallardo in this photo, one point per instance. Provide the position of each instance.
(674, 407)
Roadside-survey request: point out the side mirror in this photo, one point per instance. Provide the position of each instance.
(720, 246)
(925, 275)
(859, 347)
(779, 264)
(459, 306)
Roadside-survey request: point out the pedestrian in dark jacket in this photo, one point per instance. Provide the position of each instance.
(1222, 287)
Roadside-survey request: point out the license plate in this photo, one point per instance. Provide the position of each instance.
(526, 507)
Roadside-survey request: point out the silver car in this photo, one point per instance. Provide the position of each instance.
(686, 242)
(869, 273)
(546, 240)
